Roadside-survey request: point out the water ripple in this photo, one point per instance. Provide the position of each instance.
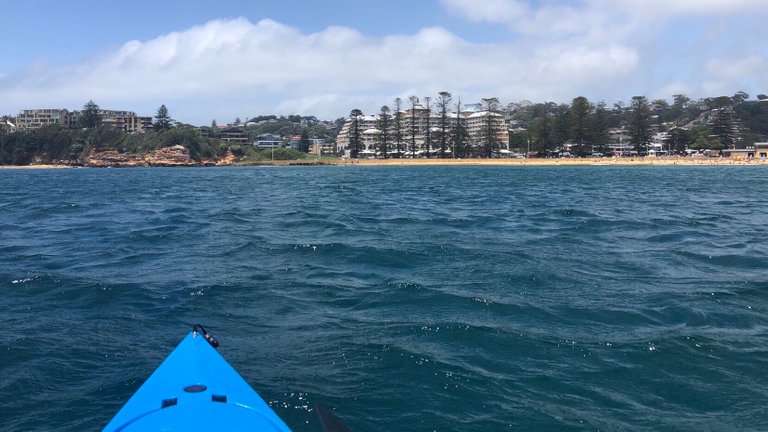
(422, 298)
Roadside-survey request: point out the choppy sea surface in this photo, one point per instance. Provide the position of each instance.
(406, 298)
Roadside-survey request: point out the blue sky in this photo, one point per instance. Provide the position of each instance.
(231, 58)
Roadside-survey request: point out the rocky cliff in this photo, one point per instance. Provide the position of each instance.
(168, 156)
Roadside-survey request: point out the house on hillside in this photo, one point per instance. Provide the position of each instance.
(268, 140)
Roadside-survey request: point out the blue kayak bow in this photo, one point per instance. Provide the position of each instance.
(195, 389)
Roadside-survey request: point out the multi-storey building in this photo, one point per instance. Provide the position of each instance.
(233, 134)
(268, 140)
(477, 126)
(364, 122)
(30, 119)
(126, 121)
(228, 133)
(137, 124)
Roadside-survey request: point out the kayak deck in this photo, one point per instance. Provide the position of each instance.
(196, 389)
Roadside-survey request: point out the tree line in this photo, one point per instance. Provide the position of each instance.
(401, 128)
(584, 127)
(713, 123)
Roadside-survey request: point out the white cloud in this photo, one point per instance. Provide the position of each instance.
(602, 49)
(666, 8)
(608, 18)
(671, 89)
(670, 43)
(723, 76)
(488, 10)
(736, 68)
(272, 67)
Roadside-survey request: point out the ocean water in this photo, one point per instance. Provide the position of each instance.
(406, 298)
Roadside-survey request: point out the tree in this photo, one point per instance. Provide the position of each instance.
(753, 116)
(661, 110)
(517, 141)
(354, 138)
(384, 126)
(490, 134)
(740, 97)
(90, 117)
(428, 131)
(304, 142)
(542, 130)
(676, 111)
(680, 100)
(444, 99)
(701, 138)
(599, 130)
(214, 129)
(562, 124)
(414, 100)
(678, 140)
(459, 135)
(640, 124)
(617, 114)
(162, 119)
(722, 125)
(542, 135)
(580, 130)
(398, 126)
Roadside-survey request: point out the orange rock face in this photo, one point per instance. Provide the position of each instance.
(167, 156)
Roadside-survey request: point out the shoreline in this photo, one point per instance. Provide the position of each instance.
(42, 166)
(647, 161)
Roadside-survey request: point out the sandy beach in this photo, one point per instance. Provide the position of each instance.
(557, 162)
(35, 166)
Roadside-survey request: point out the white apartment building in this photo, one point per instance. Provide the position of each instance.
(476, 124)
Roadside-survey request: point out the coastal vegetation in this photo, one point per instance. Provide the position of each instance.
(586, 128)
(287, 126)
(56, 144)
(712, 123)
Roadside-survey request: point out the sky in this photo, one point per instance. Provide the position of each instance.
(229, 59)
